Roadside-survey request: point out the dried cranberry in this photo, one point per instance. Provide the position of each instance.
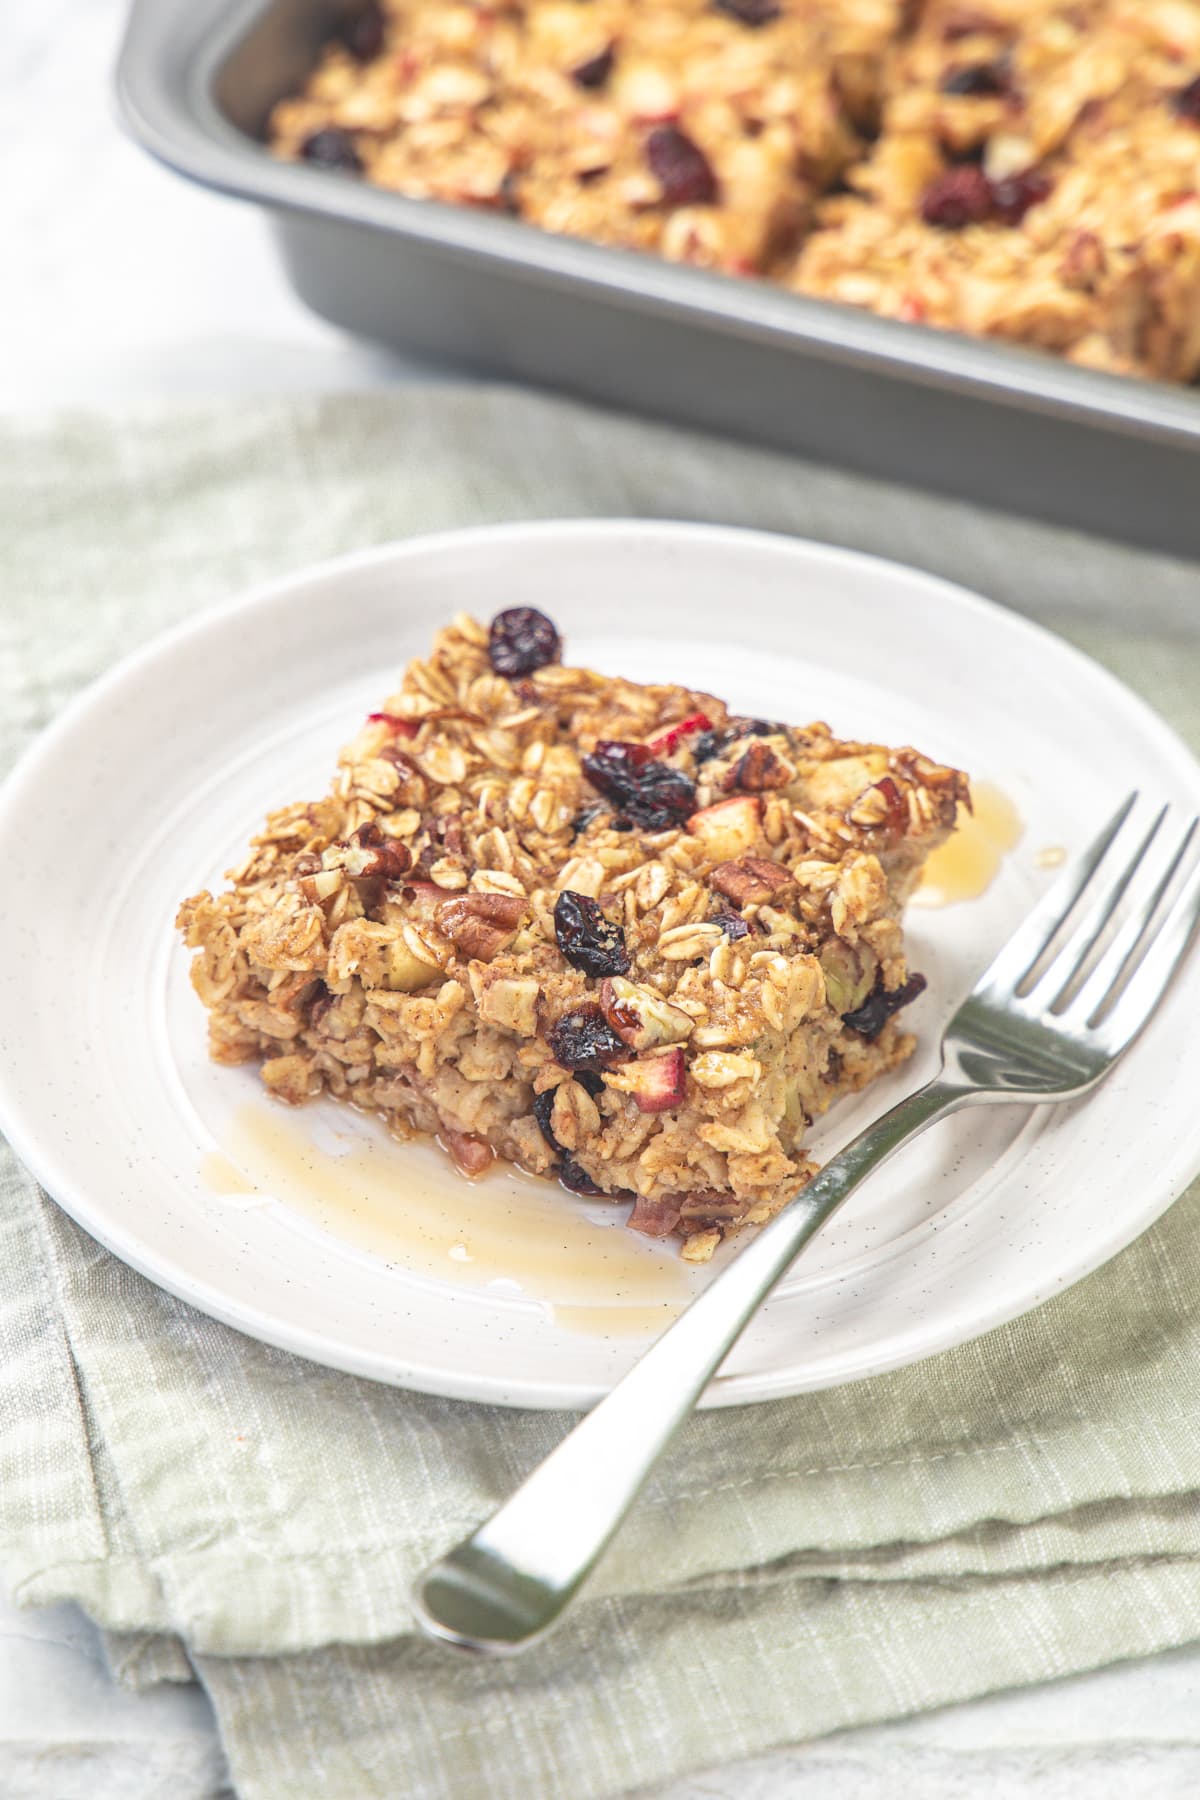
(731, 923)
(615, 766)
(543, 1106)
(979, 80)
(750, 12)
(680, 167)
(1185, 102)
(959, 197)
(965, 196)
(578, 1180)
(587, 939)
(595, 71)
(585, 815)
(522, 639)
(665, 797)
(649, 793)
(584, 1039)
(363, 34)
(879, 1005)
(1013, 197)
(332, 148)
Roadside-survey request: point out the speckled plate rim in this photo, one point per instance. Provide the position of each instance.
(1163, 1184)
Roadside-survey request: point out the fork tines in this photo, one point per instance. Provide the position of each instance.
(1101, 946)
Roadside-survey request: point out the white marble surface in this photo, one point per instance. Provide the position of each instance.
(120, 282)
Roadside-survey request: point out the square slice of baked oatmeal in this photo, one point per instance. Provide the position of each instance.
(603, 929)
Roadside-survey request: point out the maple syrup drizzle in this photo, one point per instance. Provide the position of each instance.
(515, 1235)
(965, 866)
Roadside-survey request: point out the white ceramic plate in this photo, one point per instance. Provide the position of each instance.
(312, 1231)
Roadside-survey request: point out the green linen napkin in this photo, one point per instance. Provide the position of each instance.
(1022, 1508)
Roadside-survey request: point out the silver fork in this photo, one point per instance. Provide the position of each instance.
(1046, 1022)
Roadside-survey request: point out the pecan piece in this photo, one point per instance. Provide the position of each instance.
(470, 1155)
(759, 768)
(447, 829)
(481, 925)
(753, 878)
(656, 1218)
(698, 1211)
(366, 854)
(882, 804)
(640, 1017)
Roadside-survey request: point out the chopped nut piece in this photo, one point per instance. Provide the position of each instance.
(760, 768)
(640, 1017)
(656, 1218)
(752, 878)
(481, 924)
(880, 804)
(472, 1157)
(366, 853)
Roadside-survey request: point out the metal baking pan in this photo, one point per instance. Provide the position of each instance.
(196, 81)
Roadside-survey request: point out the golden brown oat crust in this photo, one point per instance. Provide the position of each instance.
(549, 110)
(395, 943)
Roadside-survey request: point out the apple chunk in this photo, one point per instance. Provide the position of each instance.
(730, 828)
(654, 1083)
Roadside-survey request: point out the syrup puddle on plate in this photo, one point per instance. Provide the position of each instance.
(967, 864)
(513, 1235)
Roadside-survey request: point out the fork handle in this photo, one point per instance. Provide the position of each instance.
(510, 1581)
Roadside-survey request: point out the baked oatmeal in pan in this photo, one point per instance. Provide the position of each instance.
(699, 129)
(1035, 179)
(604, 930)
(1027, 169)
